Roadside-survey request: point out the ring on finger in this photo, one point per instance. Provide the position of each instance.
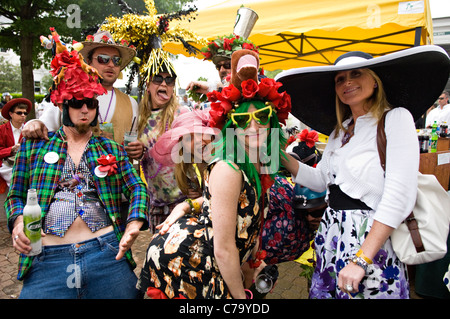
(349, 288)
(15, 237)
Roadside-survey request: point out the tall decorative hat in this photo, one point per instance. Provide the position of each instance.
(148, 33)
(223, 47)
(244, 87)
(412, 78)
(72, 77)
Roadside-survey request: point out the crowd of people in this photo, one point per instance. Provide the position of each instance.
(227, 191)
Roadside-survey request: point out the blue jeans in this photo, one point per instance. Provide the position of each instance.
(86, 270)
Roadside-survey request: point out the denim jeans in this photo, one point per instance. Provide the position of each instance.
(86, 270)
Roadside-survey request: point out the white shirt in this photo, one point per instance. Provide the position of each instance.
(51, 116)
(435, 115)
(16, 133)
(445, 115)
(356, 167)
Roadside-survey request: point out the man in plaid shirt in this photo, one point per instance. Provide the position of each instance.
(80, 180)
(34, 170)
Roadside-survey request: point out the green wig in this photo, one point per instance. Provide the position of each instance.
(230, 149)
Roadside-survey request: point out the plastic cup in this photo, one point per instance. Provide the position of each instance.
(129, 137)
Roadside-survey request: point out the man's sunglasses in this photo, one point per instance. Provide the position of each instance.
(159, 79)
(104, 59)
(21, 113)
(226, 66)
(261, 116)
(91, 104)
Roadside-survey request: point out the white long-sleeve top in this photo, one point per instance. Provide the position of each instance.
(356, 167)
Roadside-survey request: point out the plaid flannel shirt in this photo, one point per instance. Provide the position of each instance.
(31, 171)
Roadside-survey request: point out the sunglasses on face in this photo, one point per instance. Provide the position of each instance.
(261, 116)
(226, 65)
(159, 79)
(104, 59)
(315, 213)
(21, 113)
(91, 104)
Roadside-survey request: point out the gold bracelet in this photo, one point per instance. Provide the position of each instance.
(360, 253)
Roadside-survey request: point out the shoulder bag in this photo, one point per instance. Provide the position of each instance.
(422, 236)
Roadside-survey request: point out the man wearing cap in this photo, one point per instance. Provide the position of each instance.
(15, 111)
(116, 109)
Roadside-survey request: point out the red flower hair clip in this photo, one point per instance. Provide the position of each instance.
(309, 137)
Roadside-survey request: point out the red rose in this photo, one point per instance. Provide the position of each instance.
(231, 93)
(283, 102)
(105, 39)
(207, 55)
(247, 46)
(269, 87)
(214, 96)
(249, 88)
(90, 38)
(227, 44)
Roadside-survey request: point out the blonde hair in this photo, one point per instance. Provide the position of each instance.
(377, 104)
(167, 114)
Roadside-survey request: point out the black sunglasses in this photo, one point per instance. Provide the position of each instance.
(21, 113)
(226, 65)
(104, 59)
(159, 79)
(91, 104)
(315, 213)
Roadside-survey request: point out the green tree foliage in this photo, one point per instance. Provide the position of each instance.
(10, 79)
(28, 19)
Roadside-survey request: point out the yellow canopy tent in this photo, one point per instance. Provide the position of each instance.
(299, 33)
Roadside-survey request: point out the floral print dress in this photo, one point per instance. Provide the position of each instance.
(181, 263)
(340, 236)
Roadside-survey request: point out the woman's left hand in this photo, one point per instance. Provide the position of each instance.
(350, 275)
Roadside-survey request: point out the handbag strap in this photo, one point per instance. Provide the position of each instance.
(410, 221)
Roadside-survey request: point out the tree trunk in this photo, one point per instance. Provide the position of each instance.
(26, 63)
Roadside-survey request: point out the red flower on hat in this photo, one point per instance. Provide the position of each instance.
(227, 44)
(90, 38)
(108, 164)
(218, 112)
(269, 87)
(231, 93)
(249, 88)
(310, 138)
(214, 96)
(207, 55)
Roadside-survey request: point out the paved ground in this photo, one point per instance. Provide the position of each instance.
(289, 286)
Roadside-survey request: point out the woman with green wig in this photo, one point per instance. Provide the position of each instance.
(202, 253)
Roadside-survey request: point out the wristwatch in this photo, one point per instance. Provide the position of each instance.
(360, 262)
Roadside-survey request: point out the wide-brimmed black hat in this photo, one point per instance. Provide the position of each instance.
(412, 78)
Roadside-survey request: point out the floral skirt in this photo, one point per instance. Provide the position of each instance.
(340, 236)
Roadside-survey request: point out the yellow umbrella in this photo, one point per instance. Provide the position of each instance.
(298, 33)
